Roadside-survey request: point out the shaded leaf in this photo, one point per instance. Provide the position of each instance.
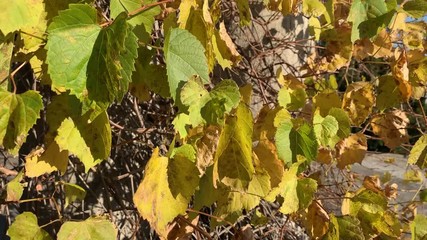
(419, 227)
(73, 192)
(6, 47)
(401, 75)
(14, 189)
(418, 154)
(316, 220)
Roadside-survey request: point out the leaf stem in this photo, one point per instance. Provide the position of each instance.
(147, 6)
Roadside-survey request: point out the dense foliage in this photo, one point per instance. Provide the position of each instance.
(221, 157)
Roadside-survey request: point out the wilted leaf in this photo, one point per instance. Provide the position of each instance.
(153, 194)
(401, 74)
(225, 51)
(388, 93)
(6, 47)
(269, 161)
(359, 99)
(391, 127)
(316, 220)
(93, 228)
(351, 150)
(26, 226)
(180, 229)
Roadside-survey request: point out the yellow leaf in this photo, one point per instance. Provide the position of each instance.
(324, 101)
(401, 74)
(40, 161)
(391, 127)
(359, 99)
(153, 198)
(316, 220)
(351, 150)
(184, 11)
(324, 156)
(267, 155)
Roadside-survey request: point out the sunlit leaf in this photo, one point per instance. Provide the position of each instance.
(15, 189)
(388, 93)
(418, 154)
(94, 228)
(154, 193)
(26, 226)
(18, 113)
(359, 99)
(40, 161)
(325, 129)
(184, 58)
(19, 14)
(233, 159)
(268, 160)
(351, 150)
(6, 47)
(391, 127)
(316, 220)
(419, 227)
(324, 101)
(401, 75)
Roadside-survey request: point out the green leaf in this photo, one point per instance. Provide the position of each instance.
(244, 12)
(423, 195)
(283, 144)
(93, 228)
(73, 192)
(325, 129)
(143, 21)
(19, 14)
(292, 99)
(153, 194)
(183, 175)
(343, 120)
(90, 133)
(233, 159)
(416, 8)
(18, 113)
(102, 70)
(305, 190)
(303, 142)
(185, 57)
(419, 227)
(361, 11)
(25, 227)
(349, 228)
(288, 189)
(418, 154)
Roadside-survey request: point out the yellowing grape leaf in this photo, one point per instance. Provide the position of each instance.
(388, 93)
(391, 128)
(292, 99)
(316, 220)
(93, 228)
(73, 192)
(184, 11)
(19, 14)
(14, 188)
(418, 154)
(359, 99)
(284, 6)
(283, 141)
(269, 161)
(183, 175)
(6, 48)
(91, 132)
(349, 228)
(206, 147)
(303, 142)
(224, 49)
(184, 58)
(231, 203)
(325, 100)
(419, 227)
(244, 12)
(233, 159)
(344, 126)
(401, 74)
(296, 193)
(351, 150)
(26, 226)
(18, 113)
(102, 70)
(153, 194)
(41, 161)
(415, 8)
